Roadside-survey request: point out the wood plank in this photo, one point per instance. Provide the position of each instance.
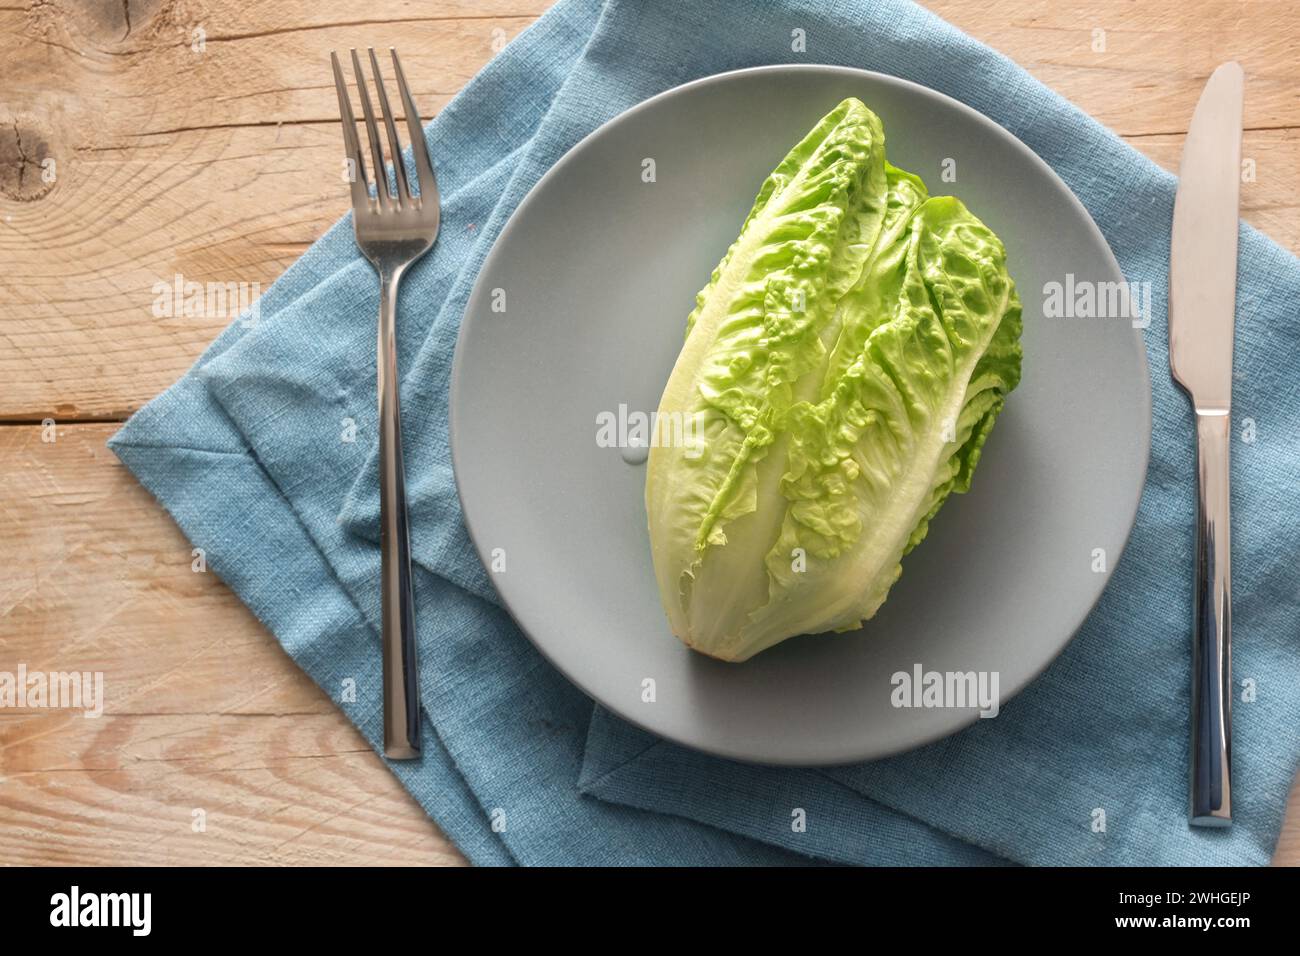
(224, 175)
(203, 710)
(229, 173)
(1288, 844)
(1156, 54)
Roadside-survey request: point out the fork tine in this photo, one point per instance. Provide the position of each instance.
(351, 146)
(419, 148)
(394, 144)
(372, 131)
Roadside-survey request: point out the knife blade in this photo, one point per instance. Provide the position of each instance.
(1202, 295)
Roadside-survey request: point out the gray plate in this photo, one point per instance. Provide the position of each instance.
(599, 270)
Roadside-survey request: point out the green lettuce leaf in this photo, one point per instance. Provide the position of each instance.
(840, 374)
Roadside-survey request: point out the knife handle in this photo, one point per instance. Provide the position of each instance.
(1211, 765)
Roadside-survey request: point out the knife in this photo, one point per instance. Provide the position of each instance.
(1202, 294)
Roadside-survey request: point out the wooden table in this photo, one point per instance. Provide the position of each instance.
(201, 138)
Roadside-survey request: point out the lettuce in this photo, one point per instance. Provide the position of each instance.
(840, 374)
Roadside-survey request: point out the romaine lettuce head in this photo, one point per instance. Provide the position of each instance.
(840, 374)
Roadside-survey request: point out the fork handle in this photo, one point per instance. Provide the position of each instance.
(401, 695)
(1211, 765)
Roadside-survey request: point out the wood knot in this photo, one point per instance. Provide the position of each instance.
(113, 27)
(28, 170)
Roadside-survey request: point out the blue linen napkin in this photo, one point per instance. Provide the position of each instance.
(250, 453)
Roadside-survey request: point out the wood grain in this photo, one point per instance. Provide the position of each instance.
(199, 138)
(222, 164)
(203, 710)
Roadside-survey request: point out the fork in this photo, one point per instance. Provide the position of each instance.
(393, 231)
